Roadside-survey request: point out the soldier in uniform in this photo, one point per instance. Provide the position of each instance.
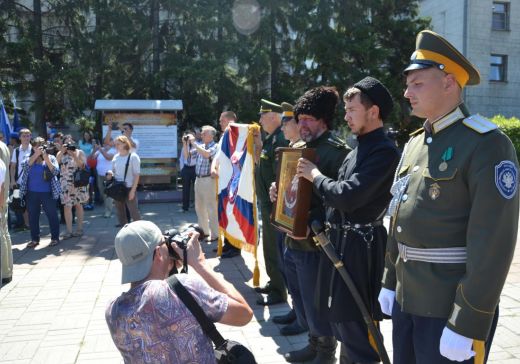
(454, 217)
(292, 134)
(357, 200)
(265, 174)
(314, 113)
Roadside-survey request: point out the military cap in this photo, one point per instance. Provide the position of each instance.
(378, 94)
(288, 113)
(432, 50)
(268, 106)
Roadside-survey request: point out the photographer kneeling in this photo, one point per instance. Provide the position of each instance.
(149, 323)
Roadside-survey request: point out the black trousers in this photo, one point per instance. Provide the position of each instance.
(188, 179)
(416, 338)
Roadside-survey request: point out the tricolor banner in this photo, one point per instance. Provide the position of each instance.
(237, 215)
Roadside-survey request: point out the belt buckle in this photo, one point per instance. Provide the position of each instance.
(404, 252)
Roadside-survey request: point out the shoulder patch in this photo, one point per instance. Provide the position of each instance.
(506, 179)
(479, 123)
(416, 132)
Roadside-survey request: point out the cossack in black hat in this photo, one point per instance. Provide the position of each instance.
(320, 102)
(378, 94)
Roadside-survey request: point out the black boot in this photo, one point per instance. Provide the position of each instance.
(304, 354)
(326, 350)
(286, 319)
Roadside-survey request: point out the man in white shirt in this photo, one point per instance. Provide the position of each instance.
(127, 129)
(104, 155)
(20, 155)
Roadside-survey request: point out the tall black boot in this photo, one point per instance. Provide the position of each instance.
(326, 350)
(306, 353)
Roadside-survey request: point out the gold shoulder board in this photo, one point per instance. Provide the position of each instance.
(479, 123)
(336, 142)
(299, 144)
(414, 133)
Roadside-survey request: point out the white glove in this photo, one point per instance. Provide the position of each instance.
(455, 346)
(386, 300)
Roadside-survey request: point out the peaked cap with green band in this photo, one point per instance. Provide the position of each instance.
(268, 106)
(432, 50)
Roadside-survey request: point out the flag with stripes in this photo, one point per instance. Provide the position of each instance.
(237, 213)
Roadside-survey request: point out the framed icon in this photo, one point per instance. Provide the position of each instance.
(290, 211)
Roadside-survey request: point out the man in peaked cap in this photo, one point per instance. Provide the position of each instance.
(265, 174)
(356, 200)
(454, 217)
(291, 133)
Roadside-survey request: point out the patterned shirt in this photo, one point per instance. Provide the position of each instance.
(203, 165)
(150, 324)
(55, 184)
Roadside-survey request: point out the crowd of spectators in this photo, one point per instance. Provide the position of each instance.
(42, 176)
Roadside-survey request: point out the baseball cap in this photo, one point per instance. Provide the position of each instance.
(135, 244)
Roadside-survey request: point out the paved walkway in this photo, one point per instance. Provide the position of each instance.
(53, 310)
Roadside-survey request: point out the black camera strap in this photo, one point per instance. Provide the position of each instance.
(207, 325)
(126, 166)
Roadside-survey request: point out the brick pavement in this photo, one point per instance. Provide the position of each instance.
(53, 310)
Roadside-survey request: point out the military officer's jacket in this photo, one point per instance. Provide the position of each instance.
(456, 186)
(265, 172)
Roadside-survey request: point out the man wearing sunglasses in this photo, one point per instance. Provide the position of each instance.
(149, 323)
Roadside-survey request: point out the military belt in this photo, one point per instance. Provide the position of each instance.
(350, 225)
(433, 255)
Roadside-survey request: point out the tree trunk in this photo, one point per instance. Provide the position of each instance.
(156, 62)
(39, 79)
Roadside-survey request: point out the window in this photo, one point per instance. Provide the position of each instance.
(500, 16)
(498, 71)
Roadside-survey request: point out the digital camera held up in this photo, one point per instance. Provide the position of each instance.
(181, 238)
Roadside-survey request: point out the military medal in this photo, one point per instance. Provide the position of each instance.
(434, 191)
(446, 156)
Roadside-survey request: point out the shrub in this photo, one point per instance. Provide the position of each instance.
(511, 127)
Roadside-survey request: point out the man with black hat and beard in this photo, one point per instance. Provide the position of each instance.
(314, 113)
(356, 202)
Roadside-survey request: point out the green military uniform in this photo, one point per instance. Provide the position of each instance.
(454, 224)
(458, 195)
(6, 253)
(265, 174)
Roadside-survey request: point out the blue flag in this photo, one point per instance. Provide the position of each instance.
(5, 127)
(16, 121)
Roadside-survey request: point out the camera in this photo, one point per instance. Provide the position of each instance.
(49, 148)
(181, 238)
(186, 138)
(71, 147)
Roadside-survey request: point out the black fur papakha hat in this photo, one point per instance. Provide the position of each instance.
(320, 102)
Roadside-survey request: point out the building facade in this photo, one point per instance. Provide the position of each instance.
(487, 32)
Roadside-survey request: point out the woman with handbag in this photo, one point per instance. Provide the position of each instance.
(39, 184)
(126, 167)
(71, 160)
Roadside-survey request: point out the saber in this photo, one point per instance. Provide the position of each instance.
(328, 248)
